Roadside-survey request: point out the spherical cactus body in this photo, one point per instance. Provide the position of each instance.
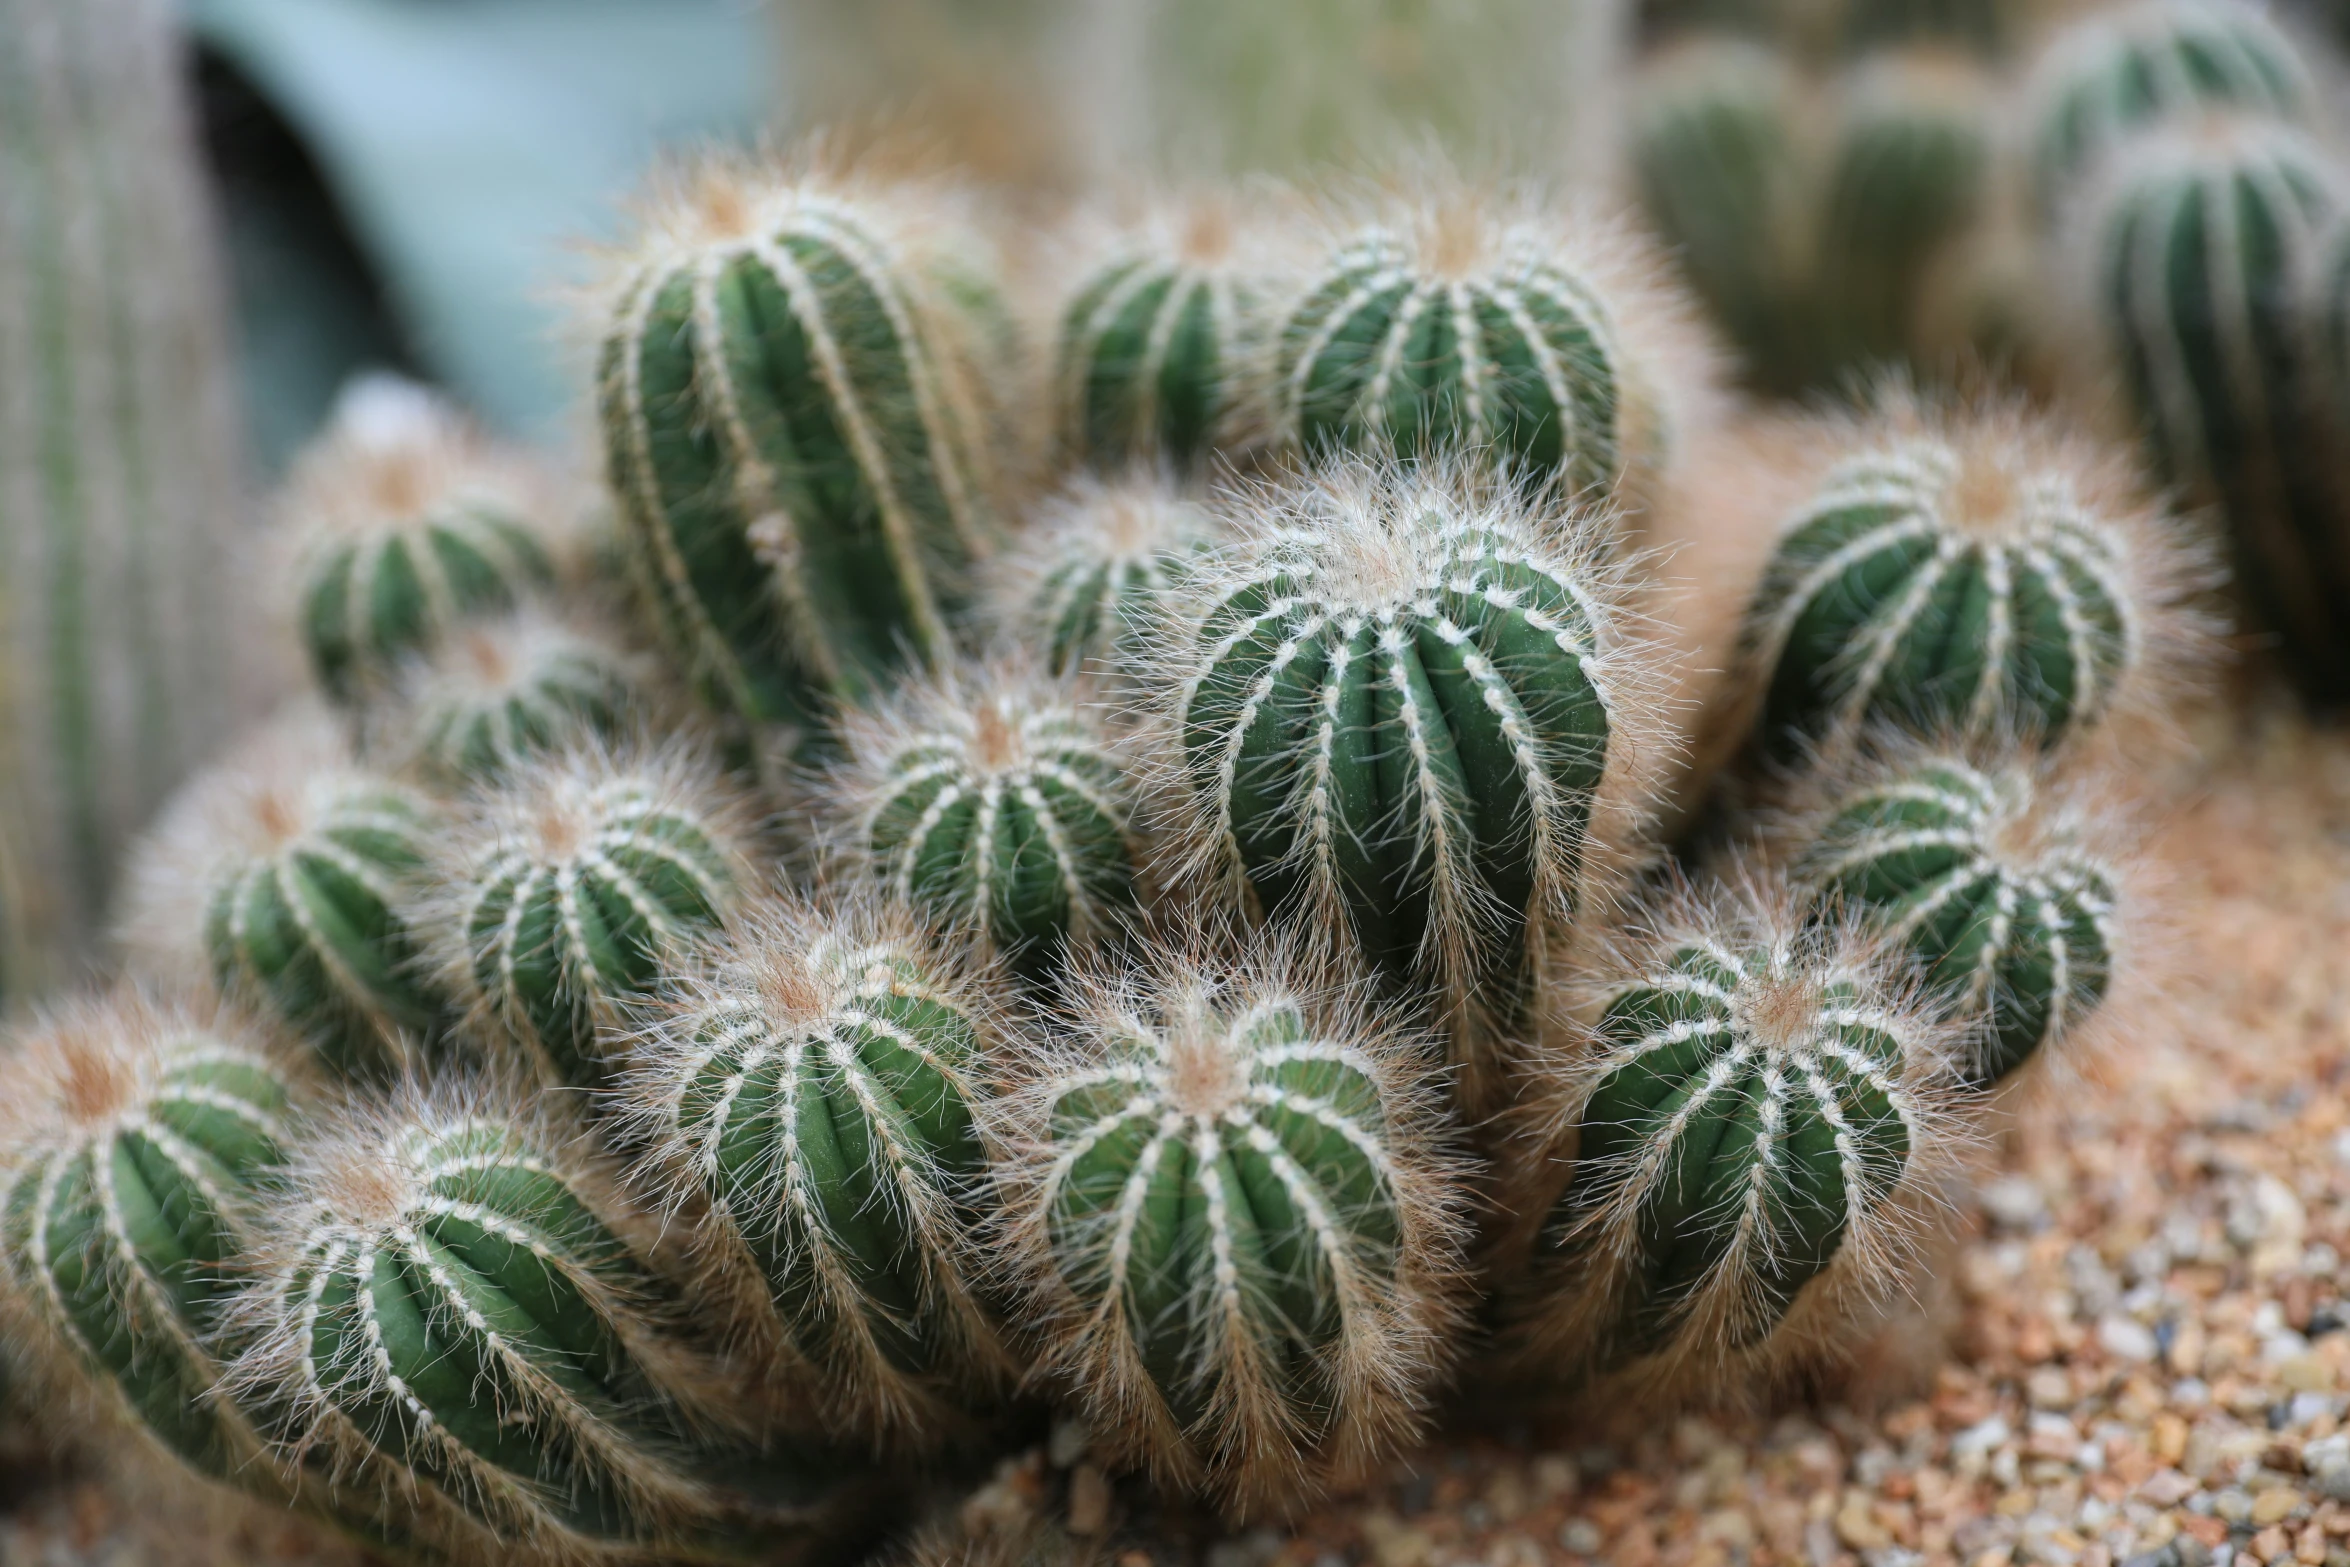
(500, 692)
(2120, 70)
(2201, 251)
(574, 888)
(1157, 336)
(793, 428)
(2009, 914)
(1237, 1226)
(1399, 706)
(1093, 585)
(993, 802)
(406, 522)
(815, 1080)
(281, 875)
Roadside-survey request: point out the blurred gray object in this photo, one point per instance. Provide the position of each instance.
(405, 181)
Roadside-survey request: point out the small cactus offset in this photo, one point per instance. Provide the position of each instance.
(1091, 585)
(811, 1086)
(1753, 1112)
(2122, 69)
(992, 801)
(2201, 250)
(1410, 721)
(1234, 1214)
(573, 888)
(499, 692)
(1456, 321)
(1987, 883)
(403, 520)
(1158, 333)
(281, 876)
(794, 429)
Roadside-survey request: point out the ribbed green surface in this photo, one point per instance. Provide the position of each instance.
(794, 467)
(313, 931)
(1883, 605)
(483, 710)
(1517, 356)
(2203, 258)
(1223, 1236)
(1102, 612)
(126, 1238)
(1725, 1151)
(1151, 355)
(2028, 945)
(560, 928)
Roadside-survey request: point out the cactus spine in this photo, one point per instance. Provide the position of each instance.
(574, 888)
(993, 802)
(1232, 1213)
(1400, 705)
(2202, 251)
(498, 693)
(405, 521)
(815, 1080)
(792, 426)
(2010, 916)
(1092, 585)
(281, 875)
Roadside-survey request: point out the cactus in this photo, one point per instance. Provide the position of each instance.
(573, 888)
(1410, 720)
(280, 875)
(811, 1086)
(1234, 1221)
(2202, 249)
(1752, 1112)
(1092, 584)
(2117, 71)
(1157, 335)
(1453, 320)
(403, 521)
(499, 692)
(1956, 573)
(792, 426)
(992, 801)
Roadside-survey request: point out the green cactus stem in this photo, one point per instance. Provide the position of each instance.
(499, 692)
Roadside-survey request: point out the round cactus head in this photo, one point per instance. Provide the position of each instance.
(1451, 320)
(1161, 326)
(2121, 69)
(498, 692)
(1410, 723)
(1234, 1217)
(1967, 572)
(1092, 585)
(402, 521)
(133, 1136)
(790, 401)
(811, 1086)
(1989, 880)
(280, 876)
(574, 887)
(1753, 1112)
(995, 802)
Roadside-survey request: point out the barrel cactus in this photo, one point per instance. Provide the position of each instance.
(1235, 1222)
(2201, 251)
(498, 692)
(573, 888)
(1986, 881)
(1754, 1113)
(403, 520)
(2122, 69)
(1091, 585)
(281, 876)
(992, 800)
(812, 1086)
(793, 424)
(1409, 723)
(1161, 327)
